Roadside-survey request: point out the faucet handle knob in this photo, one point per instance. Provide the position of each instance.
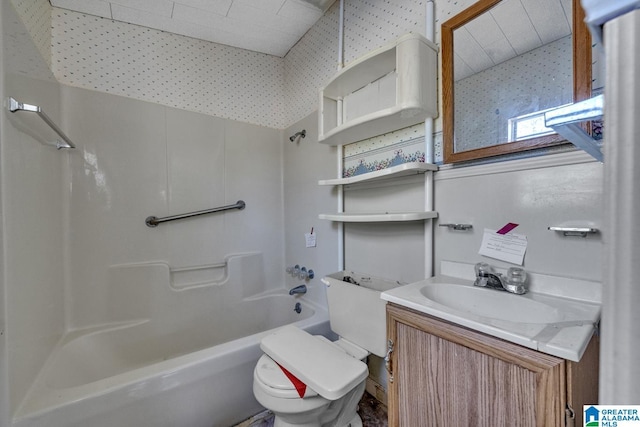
(516, 276)
(483, 269)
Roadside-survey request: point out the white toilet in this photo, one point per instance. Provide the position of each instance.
(334, 373)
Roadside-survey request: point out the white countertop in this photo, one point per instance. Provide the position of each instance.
(574, 305)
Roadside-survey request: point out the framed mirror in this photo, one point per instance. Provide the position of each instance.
(504, 63)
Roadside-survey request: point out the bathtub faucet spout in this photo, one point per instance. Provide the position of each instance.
(302, 289)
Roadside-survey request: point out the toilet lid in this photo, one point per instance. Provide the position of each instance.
(321, 365)
(270, 374)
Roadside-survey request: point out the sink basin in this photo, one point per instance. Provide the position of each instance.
(491, 303)
(557, 316)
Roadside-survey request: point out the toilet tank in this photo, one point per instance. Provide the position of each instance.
(356, 311)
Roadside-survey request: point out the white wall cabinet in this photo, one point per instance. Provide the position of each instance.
(387, 89)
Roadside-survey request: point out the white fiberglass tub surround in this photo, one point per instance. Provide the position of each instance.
(175, 355)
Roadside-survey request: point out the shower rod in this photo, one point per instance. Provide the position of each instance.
(153, 221)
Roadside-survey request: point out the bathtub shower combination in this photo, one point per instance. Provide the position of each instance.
(180, 350)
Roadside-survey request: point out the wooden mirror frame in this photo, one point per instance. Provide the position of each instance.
(581, 41)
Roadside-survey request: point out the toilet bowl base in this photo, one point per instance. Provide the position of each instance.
(355, 422)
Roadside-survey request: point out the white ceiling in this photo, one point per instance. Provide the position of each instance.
(268, 26)
(511, 28)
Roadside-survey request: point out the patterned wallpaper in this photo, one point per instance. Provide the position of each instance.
(124, 59)
(128, 60)
(391, 149)
(369, 24)
(310, 65)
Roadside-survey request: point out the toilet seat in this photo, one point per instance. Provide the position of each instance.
(274, 382)
(322, 366)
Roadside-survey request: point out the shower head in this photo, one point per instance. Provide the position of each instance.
(296, 136)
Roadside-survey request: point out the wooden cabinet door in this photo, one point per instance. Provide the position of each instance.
(445, 375)
(583, 381)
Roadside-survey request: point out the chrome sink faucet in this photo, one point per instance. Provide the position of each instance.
(513, 282)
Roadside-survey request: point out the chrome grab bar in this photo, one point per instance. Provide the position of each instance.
(153, 221)
(19, 106)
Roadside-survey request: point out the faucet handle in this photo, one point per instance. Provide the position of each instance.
(516, 276)
(483, 269)
(293, 270)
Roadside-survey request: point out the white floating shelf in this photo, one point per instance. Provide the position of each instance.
(379, 217)
(387, 89)
(566, 122)
(404, 169)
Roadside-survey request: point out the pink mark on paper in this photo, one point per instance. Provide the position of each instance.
(507, 228)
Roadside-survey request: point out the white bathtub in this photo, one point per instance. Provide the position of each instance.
(194, 369)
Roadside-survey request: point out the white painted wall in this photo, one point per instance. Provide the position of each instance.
(36, 17)
(388, 250)
(33, 217)
(137, 159)
(142, 157)
(554, 190)
(304, 164)
(5, 412)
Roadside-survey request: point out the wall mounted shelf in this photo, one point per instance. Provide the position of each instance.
(457, 226)
(575, 231)
(404, 169)
(379, 217)
(393, 172)
(387, 89)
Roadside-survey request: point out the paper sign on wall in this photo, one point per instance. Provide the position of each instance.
(310, 239)
(505, 247)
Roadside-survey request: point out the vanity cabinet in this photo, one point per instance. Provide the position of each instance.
(442, 374)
